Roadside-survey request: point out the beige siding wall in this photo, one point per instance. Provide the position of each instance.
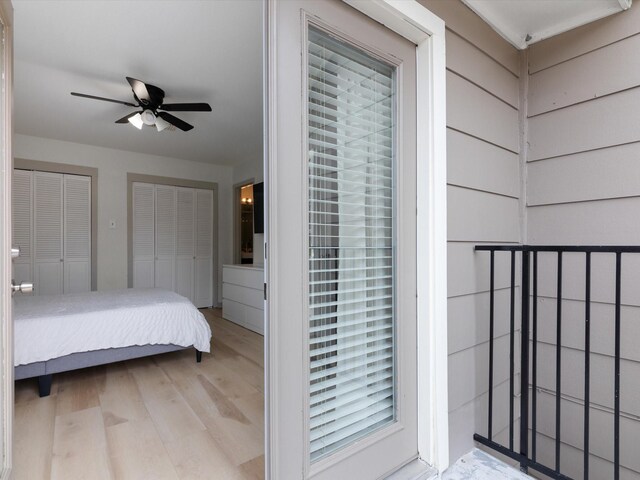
(583, 187)
(483, 170)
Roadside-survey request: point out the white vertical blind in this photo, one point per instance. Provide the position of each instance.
(351, 243)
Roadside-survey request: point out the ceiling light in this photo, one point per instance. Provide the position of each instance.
(148, 118)
(136, 121)
(161, 124)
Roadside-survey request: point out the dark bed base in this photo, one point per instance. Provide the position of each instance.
(45, 370)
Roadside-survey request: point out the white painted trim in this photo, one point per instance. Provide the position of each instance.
(6, 164)
(414, 22)
(427, 31)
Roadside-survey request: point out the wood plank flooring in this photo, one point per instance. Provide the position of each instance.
(160, 417)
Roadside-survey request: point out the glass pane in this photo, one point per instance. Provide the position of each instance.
(351, 121)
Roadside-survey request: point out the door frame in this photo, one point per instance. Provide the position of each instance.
(414, 22)
(6, 172)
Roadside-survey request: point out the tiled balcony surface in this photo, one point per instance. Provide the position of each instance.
(478, 465)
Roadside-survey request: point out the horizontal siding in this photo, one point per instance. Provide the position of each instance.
(583, 187)
(469, 370)
(571, 461)
(468, 270)
(464, 22)
(480, 216)
(472, 110)
(469, 316)
(602, 277)
(602, 378)
(606, 222)
(602, 315)
(483, 176)
(582, 40)
(602, 122)
(468, 61)
(600, 174)
(471, 418)
(571, 454)
(574, 81)
(476, 164)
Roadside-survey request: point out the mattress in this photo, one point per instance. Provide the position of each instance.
(51, 326)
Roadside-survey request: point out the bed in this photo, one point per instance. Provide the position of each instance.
(58, 333)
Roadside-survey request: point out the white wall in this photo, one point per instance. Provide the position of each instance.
(583, 187)
(483, 176)
(113, 166)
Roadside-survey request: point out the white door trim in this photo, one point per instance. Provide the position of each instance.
(414, 22)
(6, 167)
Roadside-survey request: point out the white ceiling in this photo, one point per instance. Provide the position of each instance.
(523, 22)
(196, 51)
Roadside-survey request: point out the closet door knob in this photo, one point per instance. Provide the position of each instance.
(15, 252)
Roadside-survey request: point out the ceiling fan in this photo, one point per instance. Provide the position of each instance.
(154, 112)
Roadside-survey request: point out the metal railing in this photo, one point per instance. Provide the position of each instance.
(526, 455)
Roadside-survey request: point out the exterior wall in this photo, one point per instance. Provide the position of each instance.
(113, 166)
(583, 187)
(483, 207)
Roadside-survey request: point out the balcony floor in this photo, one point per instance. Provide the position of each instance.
(478, 465)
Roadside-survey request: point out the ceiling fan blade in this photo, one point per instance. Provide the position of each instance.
(140, 89)
(181, 124)
(186, 107)
(93, 97)
(126, 118)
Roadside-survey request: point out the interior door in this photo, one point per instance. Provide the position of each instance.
(342, 238)
(165, 225)
(77, 233)
(185, 252)
(204, 255)
(48, 233)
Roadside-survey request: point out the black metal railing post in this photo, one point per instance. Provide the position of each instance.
(524, 362)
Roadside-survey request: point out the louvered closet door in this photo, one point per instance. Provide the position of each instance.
(47, 232)
(204, 249)
(165, 237)
(77, 234)
(185, 254)
(143, 235)
(22, 216)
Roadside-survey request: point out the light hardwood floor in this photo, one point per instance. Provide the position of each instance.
(160, 417)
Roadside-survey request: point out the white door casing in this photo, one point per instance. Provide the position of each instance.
(285, 455)
(6, 169)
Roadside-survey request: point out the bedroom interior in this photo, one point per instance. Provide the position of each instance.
(128, 216)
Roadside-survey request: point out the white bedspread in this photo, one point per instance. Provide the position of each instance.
(51, 326)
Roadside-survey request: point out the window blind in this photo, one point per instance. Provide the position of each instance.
(351, 113)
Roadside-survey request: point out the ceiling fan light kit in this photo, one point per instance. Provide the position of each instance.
(154, 112)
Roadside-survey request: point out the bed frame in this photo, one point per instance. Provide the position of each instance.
(45, 370)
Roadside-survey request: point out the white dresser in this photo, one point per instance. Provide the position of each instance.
(243, 295)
